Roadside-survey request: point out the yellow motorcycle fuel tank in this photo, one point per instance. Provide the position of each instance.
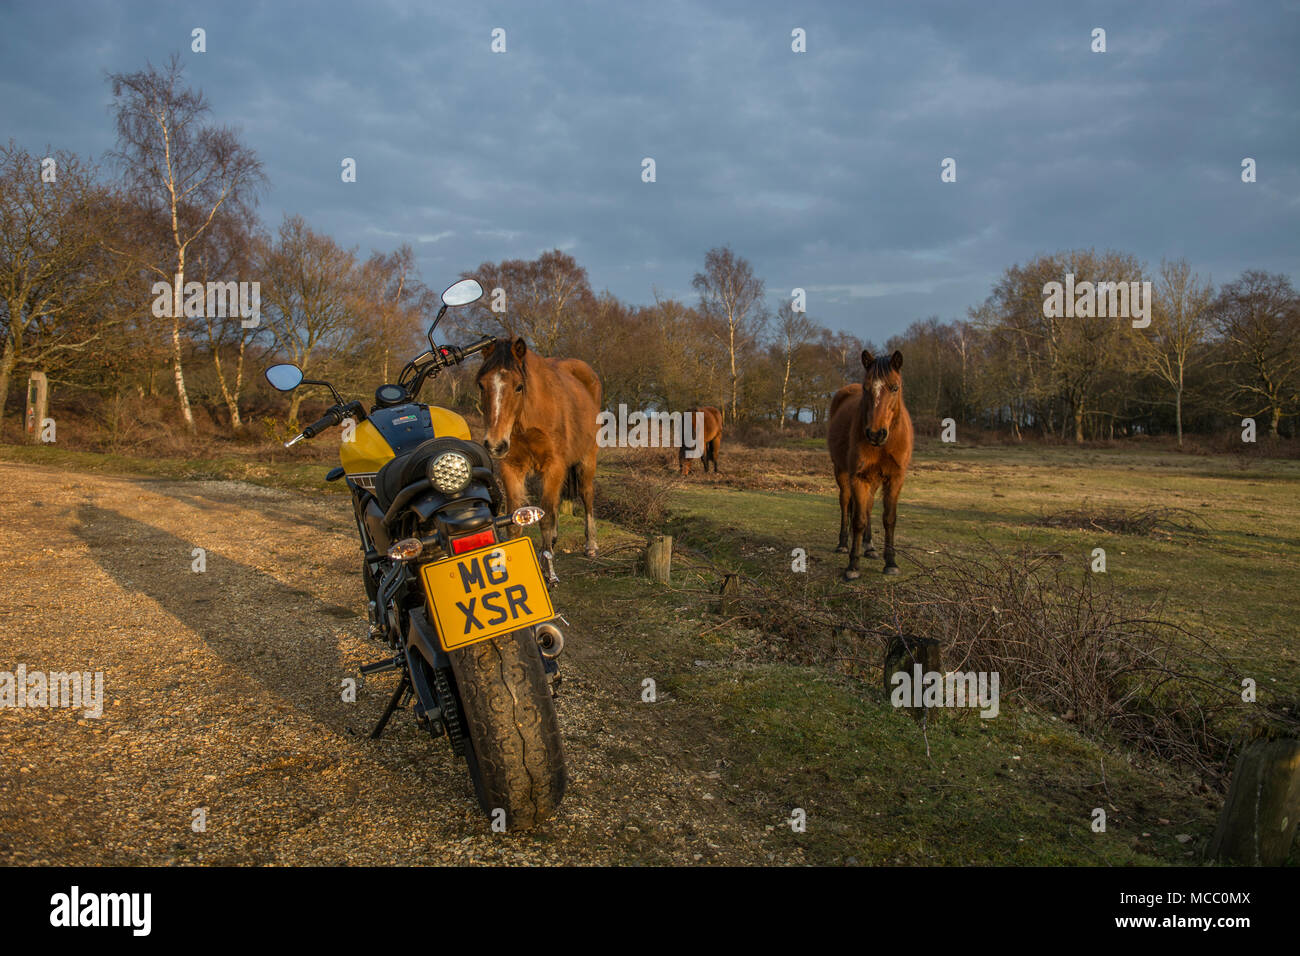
(389, 432)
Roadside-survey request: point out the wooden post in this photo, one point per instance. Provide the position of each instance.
(1258, 822)
(659, 558)
(728, 593)
(904, 652)
(38, 400)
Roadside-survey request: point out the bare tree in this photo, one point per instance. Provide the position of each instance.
(180, 170)
(542, 299)
(732, 296)
(54, 270)
(1180, 323)
(393, 302)
(310, 297)
(1258, 316)
(794, 331)
(227, 250)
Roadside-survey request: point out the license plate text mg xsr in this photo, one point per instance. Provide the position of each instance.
(477, 595)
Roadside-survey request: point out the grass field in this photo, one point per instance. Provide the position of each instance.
(820, 737)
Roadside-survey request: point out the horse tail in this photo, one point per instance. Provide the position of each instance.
(572, 489)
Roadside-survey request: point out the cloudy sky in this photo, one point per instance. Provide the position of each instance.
(822, 168)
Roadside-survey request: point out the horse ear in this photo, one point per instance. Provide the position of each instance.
(896, 361)
(867, 358)
(519, 348)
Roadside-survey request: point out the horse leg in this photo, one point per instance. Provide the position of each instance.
(889, 517)
(842, 479)
(513, 480)
(713, 452)
(588, 481)
(552, 485)
(861, 505)
(869, 549)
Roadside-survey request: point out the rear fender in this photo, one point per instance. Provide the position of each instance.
(422, 655)
(422, 639)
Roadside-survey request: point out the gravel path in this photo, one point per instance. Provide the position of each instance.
(223, 690)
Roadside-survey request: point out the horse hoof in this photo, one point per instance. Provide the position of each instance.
(591, 552)
(891, 569)
(842, 549)
(852, 575)
(871, 553)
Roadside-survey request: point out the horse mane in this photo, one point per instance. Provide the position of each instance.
(502, 355)
(881, 367)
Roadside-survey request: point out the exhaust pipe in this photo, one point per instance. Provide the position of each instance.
(550, 640)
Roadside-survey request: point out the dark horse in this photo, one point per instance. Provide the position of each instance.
(541, 419)
(707, 423)
(870, 440)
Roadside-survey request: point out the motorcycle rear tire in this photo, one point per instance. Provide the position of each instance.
(514, 752)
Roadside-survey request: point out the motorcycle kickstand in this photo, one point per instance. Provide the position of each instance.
(402, 688)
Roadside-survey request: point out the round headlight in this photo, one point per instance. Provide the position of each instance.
(450, 472)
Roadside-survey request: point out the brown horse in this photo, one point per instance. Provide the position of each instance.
(707, 425)
(870, 440)
(541, 419)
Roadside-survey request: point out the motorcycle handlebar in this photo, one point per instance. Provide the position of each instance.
(451, 355)
(331, 418)
(447, 355)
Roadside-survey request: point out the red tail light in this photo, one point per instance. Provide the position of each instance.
(469, 542)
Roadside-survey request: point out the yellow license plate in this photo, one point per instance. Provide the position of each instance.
(479, 594)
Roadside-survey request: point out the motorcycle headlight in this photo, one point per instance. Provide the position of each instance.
(450, 472)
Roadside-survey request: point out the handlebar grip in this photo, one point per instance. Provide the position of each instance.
(332, 417)
(451, 355)
(478, 346)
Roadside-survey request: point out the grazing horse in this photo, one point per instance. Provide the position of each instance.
(541, 419)
(707, 422)
(870, 440)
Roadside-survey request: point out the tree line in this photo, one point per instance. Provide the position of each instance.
(124, 280)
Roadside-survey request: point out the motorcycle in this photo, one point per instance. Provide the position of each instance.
(454, 588)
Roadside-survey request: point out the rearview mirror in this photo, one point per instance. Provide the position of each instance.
(462, 293)
(284, 378)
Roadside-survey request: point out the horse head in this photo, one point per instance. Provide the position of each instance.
(501, 382)
(882, 395)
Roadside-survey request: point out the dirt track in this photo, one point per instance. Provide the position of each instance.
(223, 690)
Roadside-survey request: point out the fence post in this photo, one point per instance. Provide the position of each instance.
(904, 652)
(659, 558)
(38, 402)
(1258, 822)
(728, 593)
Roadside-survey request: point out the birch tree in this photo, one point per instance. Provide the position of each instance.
(182, 170)
(732, 296)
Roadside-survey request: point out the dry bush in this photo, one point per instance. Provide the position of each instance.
(129, 424)
(1154, 522)
(1067, 644)
(1060, 643)
(638, 498)
(764, 434)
